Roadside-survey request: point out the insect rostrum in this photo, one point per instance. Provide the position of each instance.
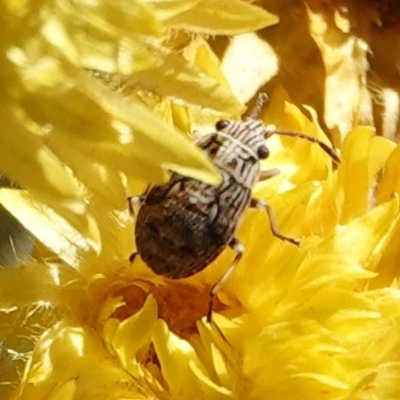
(183, 225)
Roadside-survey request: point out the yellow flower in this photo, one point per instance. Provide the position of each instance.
(317, 321)
(306, 321)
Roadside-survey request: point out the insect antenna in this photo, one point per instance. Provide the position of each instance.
(261, 101)
(331, 152)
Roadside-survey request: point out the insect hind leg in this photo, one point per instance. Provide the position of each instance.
(132, 202)
(237, 247)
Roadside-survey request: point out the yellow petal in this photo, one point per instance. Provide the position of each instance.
(152, 136)
(137, 16)
(26, 159)
(363, 240)
(133, 334)
(165, 9)
(223, 17)
(355, 154)
(182, 370)
(171, 75)
(35, 282)
(69, 235)
(68, 354)
(390, 183)
(347, 101)
(200, 51)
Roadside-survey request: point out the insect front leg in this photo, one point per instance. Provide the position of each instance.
(270, 173)
(237, 247)
(263, 205)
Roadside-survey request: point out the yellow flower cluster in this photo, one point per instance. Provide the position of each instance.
(321, 320)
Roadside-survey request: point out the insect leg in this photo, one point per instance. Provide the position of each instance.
(263, 205)
(132, 257)
(132, 202)
(270, 173)
(237, 247)
(136, 201)
(196, 134)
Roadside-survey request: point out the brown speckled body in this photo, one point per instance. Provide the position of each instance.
(185, 224)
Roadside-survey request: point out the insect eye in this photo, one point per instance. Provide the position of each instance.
(221, 124)
(263, 152)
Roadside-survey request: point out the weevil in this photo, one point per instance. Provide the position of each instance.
(183, 225)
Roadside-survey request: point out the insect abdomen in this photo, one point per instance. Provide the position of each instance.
(185, 224)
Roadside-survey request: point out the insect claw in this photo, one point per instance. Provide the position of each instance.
(286, 238)
(294, 241)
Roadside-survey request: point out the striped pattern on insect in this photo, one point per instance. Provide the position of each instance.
(183, 225)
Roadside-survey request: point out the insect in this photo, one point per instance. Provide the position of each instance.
(183, 225)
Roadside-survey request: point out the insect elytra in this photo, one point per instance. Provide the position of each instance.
(183, 225)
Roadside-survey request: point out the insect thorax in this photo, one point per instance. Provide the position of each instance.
(232, 156)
